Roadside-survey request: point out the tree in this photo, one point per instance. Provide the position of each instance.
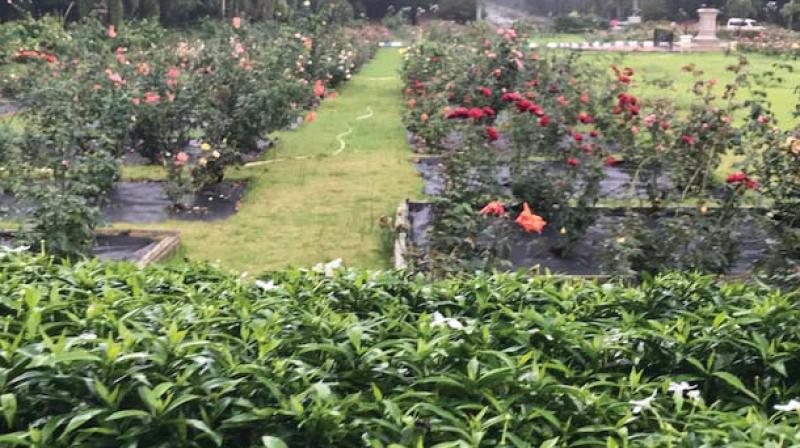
(150, 9)
(740, 8)
(790, 10)
(116, 13)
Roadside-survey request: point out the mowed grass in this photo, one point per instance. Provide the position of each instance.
(309, 205)
(543, 39)
(661, 75)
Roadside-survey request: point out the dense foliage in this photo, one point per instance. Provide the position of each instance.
(98, 355)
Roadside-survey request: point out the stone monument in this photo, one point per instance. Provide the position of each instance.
(635, 18)
(706, 38)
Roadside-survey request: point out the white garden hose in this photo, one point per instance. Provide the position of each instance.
(369, 114)
(340, 138)
(342, 143)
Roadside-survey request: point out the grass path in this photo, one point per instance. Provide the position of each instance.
(299, 212)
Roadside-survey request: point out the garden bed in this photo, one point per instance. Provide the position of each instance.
(617, 180)
(147, 203)
(8, 108)
(528, 251)
(141, 247)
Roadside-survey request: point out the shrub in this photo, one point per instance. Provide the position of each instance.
(555, 128)
(578, 24)
(106, 355)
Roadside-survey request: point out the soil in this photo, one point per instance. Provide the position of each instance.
(616, 184)
(120, 247)
(146, 203)
(8, 108)
(532, 250)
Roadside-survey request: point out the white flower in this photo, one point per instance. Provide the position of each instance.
(792, 405)
(329, 268)
(694, 395)
(439, 321)
(266, 286)
(640, 405)
(680, 388)
(16, 250)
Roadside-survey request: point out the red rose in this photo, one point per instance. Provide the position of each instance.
(476, 113)
(459, 112)
(736, 178)
(524, 106)
(585, 118)
(544, 121)
(572, 161)
(688, 139)
(492, 134)
(512, 96)
(485, 91)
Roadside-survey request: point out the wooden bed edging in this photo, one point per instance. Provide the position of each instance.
(401, 226)
(165, 243)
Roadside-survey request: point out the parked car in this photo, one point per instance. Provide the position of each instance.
(735, 24)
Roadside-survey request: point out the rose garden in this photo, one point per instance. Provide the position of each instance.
(334, 223)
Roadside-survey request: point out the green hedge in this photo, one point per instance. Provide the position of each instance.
(579, 24)
(100, 355)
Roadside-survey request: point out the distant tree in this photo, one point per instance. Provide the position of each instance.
(741, 8)
(790, 11)
(116, 13)
(149, 9)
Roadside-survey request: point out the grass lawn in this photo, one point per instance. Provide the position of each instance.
(660, 75)
(321, 206)
(667, 67)
(543, 39)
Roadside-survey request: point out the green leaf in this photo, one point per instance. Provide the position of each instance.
(550, 443)
(199, 424)
(129, 413)
(273, 442)
(9, 404)
(376, 392)
(78, 421)
(15, 438)
(737, 384)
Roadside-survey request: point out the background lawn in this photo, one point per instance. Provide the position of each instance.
(299, 212)
(661, 75)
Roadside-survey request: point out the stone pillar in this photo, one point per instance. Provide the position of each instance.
(480, 10)
(708, 26)
(635, 18)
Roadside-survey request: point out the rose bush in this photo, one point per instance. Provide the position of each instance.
(519, 125)
(194, 101)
